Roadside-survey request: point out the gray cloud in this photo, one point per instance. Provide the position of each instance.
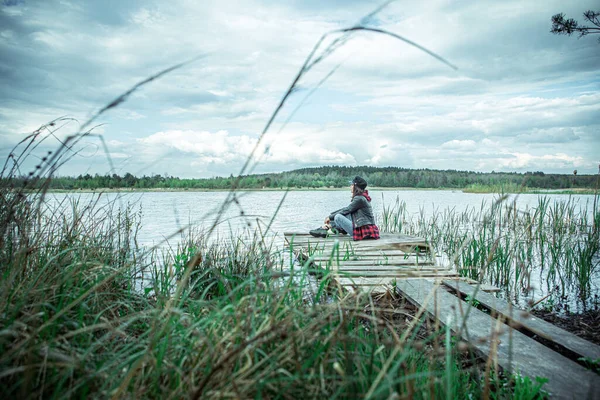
(552, 135)
(522, 98)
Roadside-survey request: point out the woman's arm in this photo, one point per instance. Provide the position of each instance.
(356, 203)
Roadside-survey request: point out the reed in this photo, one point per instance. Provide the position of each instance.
(555, 243)
(86, 312)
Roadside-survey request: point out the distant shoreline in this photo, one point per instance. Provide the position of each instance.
(343, 189)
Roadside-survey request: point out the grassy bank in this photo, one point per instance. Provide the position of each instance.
(514, 188)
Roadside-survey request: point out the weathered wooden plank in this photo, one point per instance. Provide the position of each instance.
(373, 252)
(366, 265)
(362, 267)
(384, 268)
(362, 254)
(348, 239)
(359, 255)
(482, 286)
(489, 288)
(393, 274)
(559, 336)
(389, 243)
(319, 250)
(567, 379)
(370, 264)
(360, 260)
(384, 239)
(396, 274)
(376, 284)
(371, 260)
(383, 236)
(359, 267)
(382, 284)
(371, 247)
(374, 261)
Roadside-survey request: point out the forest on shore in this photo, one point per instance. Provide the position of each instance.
(329, 177)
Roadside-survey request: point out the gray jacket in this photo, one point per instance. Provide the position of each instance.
(360, 212)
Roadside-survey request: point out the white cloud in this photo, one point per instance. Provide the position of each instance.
(223, 149)
(459, 145)
(526, 160)
(489, 143)
(146, 17)
(120, 155)
(527, 100)
(218, 146)
(284, 153)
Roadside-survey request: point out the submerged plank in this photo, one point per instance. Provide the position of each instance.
(558, 336)
(567, 379)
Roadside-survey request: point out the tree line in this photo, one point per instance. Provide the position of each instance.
(325, 177)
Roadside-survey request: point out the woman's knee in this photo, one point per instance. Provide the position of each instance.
(343, 223)
(339, 217)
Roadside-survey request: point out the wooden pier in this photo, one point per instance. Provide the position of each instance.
(369, 264)
(508, 337)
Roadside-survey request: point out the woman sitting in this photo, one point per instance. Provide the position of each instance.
(357, 218)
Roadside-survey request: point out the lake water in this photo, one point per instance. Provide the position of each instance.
(163, 213)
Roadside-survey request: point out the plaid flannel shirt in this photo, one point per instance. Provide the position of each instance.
(366, 232)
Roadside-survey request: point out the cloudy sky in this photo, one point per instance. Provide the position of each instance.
(521, 99)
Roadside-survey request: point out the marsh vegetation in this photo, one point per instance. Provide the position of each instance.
(550, 250)
(86, 311)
